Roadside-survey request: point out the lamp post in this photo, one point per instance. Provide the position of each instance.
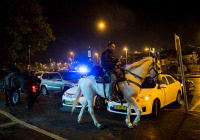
(29, 56)
(126, 54)
(101, 27)
(72, 55)
(96, 55)
(148, 49)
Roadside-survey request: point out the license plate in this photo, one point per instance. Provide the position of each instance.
(69, 102)
(120, 107)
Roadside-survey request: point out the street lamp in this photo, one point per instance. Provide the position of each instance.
(29, 56)
(126, 54)
(72, 55)
(101, 26)
(96, 55)
(148, 49)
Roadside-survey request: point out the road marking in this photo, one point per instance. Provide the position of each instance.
(32, 126)
(7, 124)
(192, 109)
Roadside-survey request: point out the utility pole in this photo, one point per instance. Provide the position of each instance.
(29, 57)
(178, 48)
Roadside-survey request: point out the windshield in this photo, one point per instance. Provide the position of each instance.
(148, 83)
(70, 75)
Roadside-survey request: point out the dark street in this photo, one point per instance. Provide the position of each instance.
(49, 116)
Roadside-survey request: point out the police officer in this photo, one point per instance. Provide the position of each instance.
(109, 63)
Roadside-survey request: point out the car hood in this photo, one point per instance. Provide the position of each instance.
(68, 83)
(72, 90)
(146, 91)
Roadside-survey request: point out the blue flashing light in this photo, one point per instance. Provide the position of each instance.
(83, 69)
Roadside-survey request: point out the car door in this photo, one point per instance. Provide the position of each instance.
(50, 82)
(165, 90)
(57, 81)
(173, 88)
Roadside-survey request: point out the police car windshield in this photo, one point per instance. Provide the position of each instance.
(148, 83)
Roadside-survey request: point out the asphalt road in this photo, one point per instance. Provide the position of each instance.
(50, 116)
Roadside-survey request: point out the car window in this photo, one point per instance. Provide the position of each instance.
(148, 83)
(56, 76)
(170, 80)
(45, 76)
(164, 81)
(50, 76)
(70, 75)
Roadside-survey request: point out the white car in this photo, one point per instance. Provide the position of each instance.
(153, 96)
(69, 97)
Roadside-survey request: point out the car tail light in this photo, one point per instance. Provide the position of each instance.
(33, 88)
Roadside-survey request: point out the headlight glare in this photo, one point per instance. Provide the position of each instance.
(143, 99)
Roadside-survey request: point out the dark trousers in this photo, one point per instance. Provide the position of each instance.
(112, 86)
(8, 96)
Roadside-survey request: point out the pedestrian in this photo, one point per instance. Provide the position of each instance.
(13, 70)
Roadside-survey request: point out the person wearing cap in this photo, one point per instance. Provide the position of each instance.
(109, 63)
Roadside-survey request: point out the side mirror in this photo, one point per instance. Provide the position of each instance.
(163, 86)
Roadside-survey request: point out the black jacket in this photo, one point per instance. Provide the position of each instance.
(108, 61)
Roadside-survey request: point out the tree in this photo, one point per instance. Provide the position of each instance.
(23, 26)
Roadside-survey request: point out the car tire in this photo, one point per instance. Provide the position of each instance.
(44, 90)
(99, 102)
(16, 97)
(155, 108)
(178, 97)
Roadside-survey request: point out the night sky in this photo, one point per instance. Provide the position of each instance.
(128, 23)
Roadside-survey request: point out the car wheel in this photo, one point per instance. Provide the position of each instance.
(16, 97)
(99, 102)
(44, 90)
(155, 108)
(178, 98)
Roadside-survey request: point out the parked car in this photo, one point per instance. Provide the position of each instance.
(38, 74)
(69, 97)
(153, 96)
(190, 86)
(53, 81)
(72, 76)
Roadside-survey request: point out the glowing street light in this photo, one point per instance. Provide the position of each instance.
(101, 26)
(72, 55)
(148, 49)
(126, 54)
(96, 55)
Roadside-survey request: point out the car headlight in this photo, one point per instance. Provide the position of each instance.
(143, 99)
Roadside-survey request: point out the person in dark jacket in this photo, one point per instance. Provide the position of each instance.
(13, 69)
(109, 63)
